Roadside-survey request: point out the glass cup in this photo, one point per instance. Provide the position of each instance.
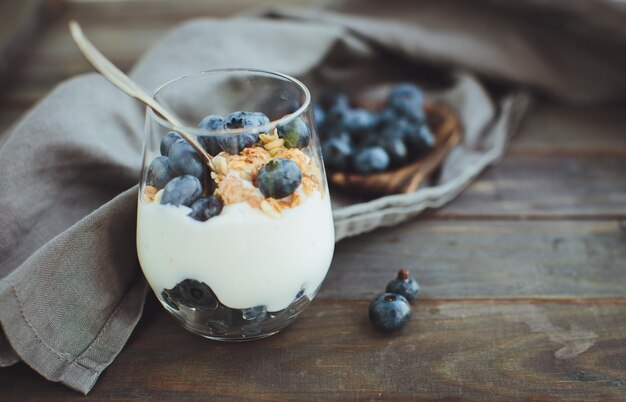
(235, 251)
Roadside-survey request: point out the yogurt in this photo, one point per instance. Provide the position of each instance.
(245, 256)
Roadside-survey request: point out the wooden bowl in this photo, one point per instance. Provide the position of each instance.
(446, 127)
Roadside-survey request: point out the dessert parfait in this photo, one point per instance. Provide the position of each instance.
(237, 248)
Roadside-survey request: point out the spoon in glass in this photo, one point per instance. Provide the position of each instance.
(130, 87)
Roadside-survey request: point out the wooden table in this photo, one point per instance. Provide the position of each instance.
(523, 276)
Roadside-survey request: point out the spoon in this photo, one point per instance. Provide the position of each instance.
(130, 87)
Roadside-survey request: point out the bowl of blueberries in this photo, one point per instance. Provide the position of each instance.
(388, 141)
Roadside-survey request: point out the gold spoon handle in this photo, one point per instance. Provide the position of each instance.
(123, 82)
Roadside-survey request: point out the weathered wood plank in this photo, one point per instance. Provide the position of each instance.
(450, 350)
(572, 130)
(484, 259)
(552, 186)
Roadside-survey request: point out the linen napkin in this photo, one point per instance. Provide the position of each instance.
(71, 290)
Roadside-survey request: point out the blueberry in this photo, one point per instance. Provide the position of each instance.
(192, 294)
(183, 190)
(279, 178)
(295, 133)
(241, 119)
(395, 148)
(235, 143)
(185, 160)
(357, 120)
(210, 144)
(212, 122)
(420, 139)
(370, 160)
(319, 115)
(337, 152)
(389, 312)
(404, 286)
(334, 100)
(206, 208)
(407, 99)
(169, 140)
(159, 172)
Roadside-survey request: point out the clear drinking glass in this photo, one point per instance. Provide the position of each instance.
(254, 265)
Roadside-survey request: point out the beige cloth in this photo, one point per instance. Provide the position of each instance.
(71, 290)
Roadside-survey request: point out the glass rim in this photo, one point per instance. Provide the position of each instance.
(196, 131)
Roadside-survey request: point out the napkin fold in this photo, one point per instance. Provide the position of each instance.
(71, 290)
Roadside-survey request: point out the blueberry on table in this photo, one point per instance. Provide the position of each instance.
(389, 312)
(404, 286)
(337, 153)
(168, 140)
(420, 139)
(370, 160)
(183, 190)
(279, 178)
(295, 133)
(159, 172)
(241, 119)
(185, 160)
(212, 122)
(206, 208)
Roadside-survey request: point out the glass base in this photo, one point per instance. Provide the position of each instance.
(236, 325)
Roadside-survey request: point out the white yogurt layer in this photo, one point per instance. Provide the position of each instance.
(246, 257)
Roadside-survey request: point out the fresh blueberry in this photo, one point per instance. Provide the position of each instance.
(370, 160)
(210, 143)
(206, 208)
(295, 133)
(183, 190)
(334, 100)
(395, 148)
(235, 143)
(337, 153)
(241, 119)
(357, 121)
(159, 172)
(406, 99)
(169, 140)
(389, 312)
(319, 115)
(192, 294)
(212, 122)
(185, 160)
(279, 178)
(420, 139)
(404, 286)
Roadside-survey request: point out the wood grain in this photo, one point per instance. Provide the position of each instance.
(467, 259)
(546, 186)
(449, 350)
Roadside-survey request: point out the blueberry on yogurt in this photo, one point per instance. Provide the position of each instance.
(159, 172)
(206, 208)
(184, 160)
(279, 178)
(169, 140)
(295, 134)
(183, 190)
